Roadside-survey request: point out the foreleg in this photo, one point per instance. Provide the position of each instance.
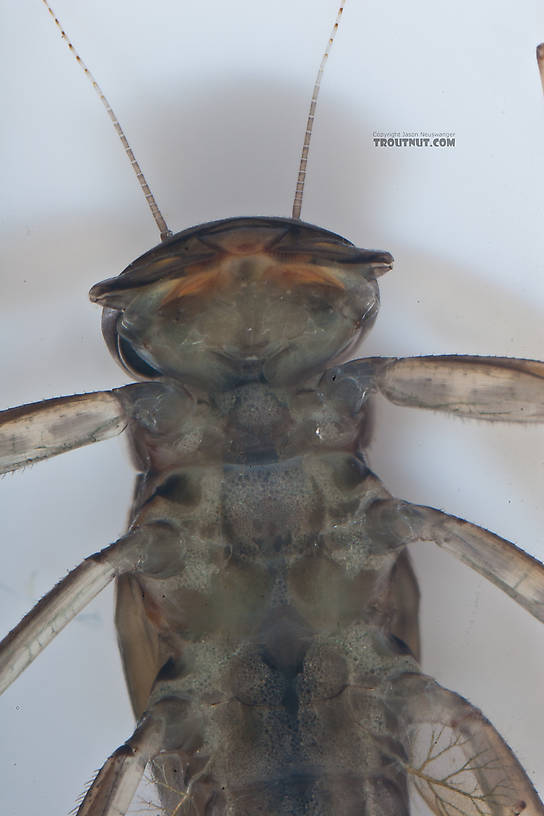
(40, 430)
(500, 389)
(492, 388)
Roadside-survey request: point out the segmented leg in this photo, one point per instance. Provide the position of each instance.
(40, 430)
(56, 609)
(491, 388)
(511, 569)
(502, 389)
(115, 785)
(456, 760)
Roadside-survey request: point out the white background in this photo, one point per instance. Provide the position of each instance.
(213, 97)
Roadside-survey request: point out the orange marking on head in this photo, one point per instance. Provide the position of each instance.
(162, 263)
(300, 274)
(197, 283)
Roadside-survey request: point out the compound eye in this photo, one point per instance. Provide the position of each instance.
(131, 360)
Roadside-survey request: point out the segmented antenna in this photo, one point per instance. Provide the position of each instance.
(151, 203)
(540, 60)
(299, 192)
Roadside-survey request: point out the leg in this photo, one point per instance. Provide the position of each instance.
(43, 429)
(40, 430)
(56, 609)
(491, 388)
(456, 760)
(500, 389)
(514, 571)
(113, 789)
